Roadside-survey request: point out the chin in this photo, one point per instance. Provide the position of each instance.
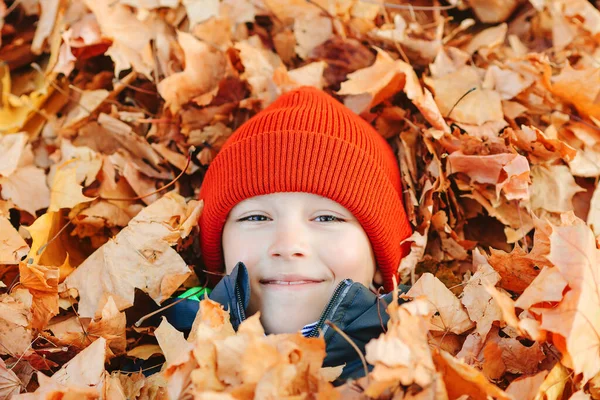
(289, 318)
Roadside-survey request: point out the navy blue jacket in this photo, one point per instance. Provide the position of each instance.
(357, 311)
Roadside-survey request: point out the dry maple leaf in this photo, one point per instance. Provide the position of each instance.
(81, 332)
(140, 256)
(553, 188)
(406, 337)
(130, 36)
(509, 172)
(27, 189)
(477, 107)
(204, 68)
(462, 379)
(527, 387)
(577, 317)
(42, 282)
(172, 343)
(10, 384)
(370, 86)
(65, 191)
(548, 286)
(82, 377)
(478, 302)
(578, 87)
(12, 147)
(450, 315)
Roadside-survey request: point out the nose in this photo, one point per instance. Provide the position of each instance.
(289, 242)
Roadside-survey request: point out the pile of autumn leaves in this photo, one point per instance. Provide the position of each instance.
(525, 324)
(412, 357)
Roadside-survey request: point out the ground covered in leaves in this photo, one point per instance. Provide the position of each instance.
(111, 111)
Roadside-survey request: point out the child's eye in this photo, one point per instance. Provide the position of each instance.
(335, 219)
(249, 218)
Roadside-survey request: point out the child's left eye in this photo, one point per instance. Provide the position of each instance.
(335, 219)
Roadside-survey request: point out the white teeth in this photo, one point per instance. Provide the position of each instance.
(288, 283)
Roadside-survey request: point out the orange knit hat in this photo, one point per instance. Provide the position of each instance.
(306, 141)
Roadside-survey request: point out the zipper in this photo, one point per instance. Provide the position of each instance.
(330, 306)
(240, 304)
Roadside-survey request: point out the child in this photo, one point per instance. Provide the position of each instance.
(303, 213)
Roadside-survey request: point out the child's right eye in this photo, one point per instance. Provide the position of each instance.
(249, 218)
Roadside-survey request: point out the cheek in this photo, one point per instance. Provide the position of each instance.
(349, 256)
(240, 246)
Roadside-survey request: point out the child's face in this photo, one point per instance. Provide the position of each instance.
(289, 234)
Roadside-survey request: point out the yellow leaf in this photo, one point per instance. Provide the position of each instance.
(65, 191)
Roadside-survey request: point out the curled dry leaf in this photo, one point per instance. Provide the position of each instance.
(462, 379)
(204, 68)
(509, 172)
(407, 338)
(478, 302)
(81, 332)
(450, 315)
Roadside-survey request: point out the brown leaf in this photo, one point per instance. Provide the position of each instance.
(463, 379)
(509, 172)
(527, 387)
(203, 70)
(10, 384)
(577, 317)
(12, 246)
(478, 302)
(450, 315)
(139, 256)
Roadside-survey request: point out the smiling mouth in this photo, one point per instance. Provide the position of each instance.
(289, 283)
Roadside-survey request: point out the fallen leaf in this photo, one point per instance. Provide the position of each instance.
(476, 107)
(450, 315)
(577, 317)
(509, 172)
(10, 384)
(86, 368)
(548, 286)
(553, 188)
(487, 38)
(311, 31)
(15, 321)
(27, 189)
(172, 343)
(12, 246)
(527, 387)
(139, 256)
(578, 87)
(478, 302)
(65, 191)
(42, 282)
(145, 351)
(203, 70)
(554, 385)
(462, 379)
